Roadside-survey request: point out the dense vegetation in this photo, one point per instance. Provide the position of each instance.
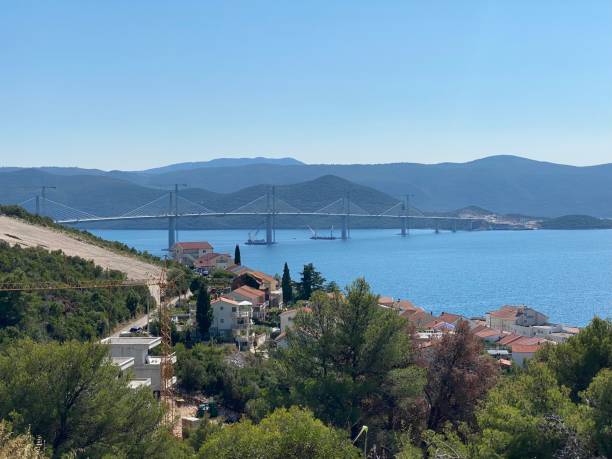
(353, 364)
(73, 398)
(61, 314)
(347, 363)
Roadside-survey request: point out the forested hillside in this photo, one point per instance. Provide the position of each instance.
(61, 314)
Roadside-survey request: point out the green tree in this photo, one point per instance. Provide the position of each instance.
(286, 434)
(204, 311)
(195, 284)
(311, 281)
(237, 258)
(599, 397)
(528, 415)
(286, 285)
(73, 397)
(577, 361)
(349, 361)
(132, 302)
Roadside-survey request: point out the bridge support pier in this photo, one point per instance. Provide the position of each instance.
(404, 226)
(171, 233)
(345, 227)
(269, 229)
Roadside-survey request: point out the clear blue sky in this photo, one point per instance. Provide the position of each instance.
(135, 84)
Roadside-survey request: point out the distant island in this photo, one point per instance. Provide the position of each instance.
(577, 222)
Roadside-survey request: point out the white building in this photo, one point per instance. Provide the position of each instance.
(516, 319)
(233, 320)
(132, 354)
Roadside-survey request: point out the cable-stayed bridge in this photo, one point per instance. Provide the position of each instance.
(172, 206)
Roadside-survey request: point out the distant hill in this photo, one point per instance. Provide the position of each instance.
(576, 222)
(224, 162)
(108, 196)
(504, 184)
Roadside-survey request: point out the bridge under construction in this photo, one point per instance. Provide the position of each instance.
(172, 206)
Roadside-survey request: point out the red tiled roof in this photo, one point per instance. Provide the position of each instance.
(225, 299)
(193, 245)
(525, 348)
(505, 363)
(249, 292)
(509, 339)
(386, 300)
(431, 323)
(525, 340)
(505, 312)
(409, 313)
(486, 333)
(407, 305)
(261, 276)
(478, 328)
(208, 258)
(450, 318)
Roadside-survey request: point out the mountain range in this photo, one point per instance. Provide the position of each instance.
(504, 184)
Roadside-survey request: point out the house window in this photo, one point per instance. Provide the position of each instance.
(234, 309)
(221, 308)
(221, 320)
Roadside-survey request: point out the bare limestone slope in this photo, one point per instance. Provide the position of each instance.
(17, 232)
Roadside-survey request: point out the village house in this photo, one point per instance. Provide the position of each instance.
(516, 319)
(212, 261)
(260, 281)
(187, 253)
(232, 321)
(132, 353)
(452, 319)
(255, 296)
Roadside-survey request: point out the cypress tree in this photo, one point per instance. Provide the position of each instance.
(237, 255)
(286, 285)
(204, 312)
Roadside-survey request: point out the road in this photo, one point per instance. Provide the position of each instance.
(142, 320)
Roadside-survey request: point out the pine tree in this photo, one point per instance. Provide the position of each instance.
(204, 312)
(237, 255)
(286, 285)
(312, 280)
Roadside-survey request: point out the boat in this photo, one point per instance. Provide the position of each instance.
(254, 241)
(315, 236)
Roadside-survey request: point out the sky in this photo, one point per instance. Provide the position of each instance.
(130, 85)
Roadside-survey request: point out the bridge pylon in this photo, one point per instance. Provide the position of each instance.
(346, 231)
(270, 220)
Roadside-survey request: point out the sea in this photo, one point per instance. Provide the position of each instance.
(565, 274)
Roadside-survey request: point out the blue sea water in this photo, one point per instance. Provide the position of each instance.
(565, 274)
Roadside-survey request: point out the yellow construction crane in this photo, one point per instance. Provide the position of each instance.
(166, 368)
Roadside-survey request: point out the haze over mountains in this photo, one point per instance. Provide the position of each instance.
(504, 184)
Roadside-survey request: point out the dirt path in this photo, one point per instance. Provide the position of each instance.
(18, 232)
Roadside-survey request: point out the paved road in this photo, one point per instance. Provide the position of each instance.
(142, 320)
